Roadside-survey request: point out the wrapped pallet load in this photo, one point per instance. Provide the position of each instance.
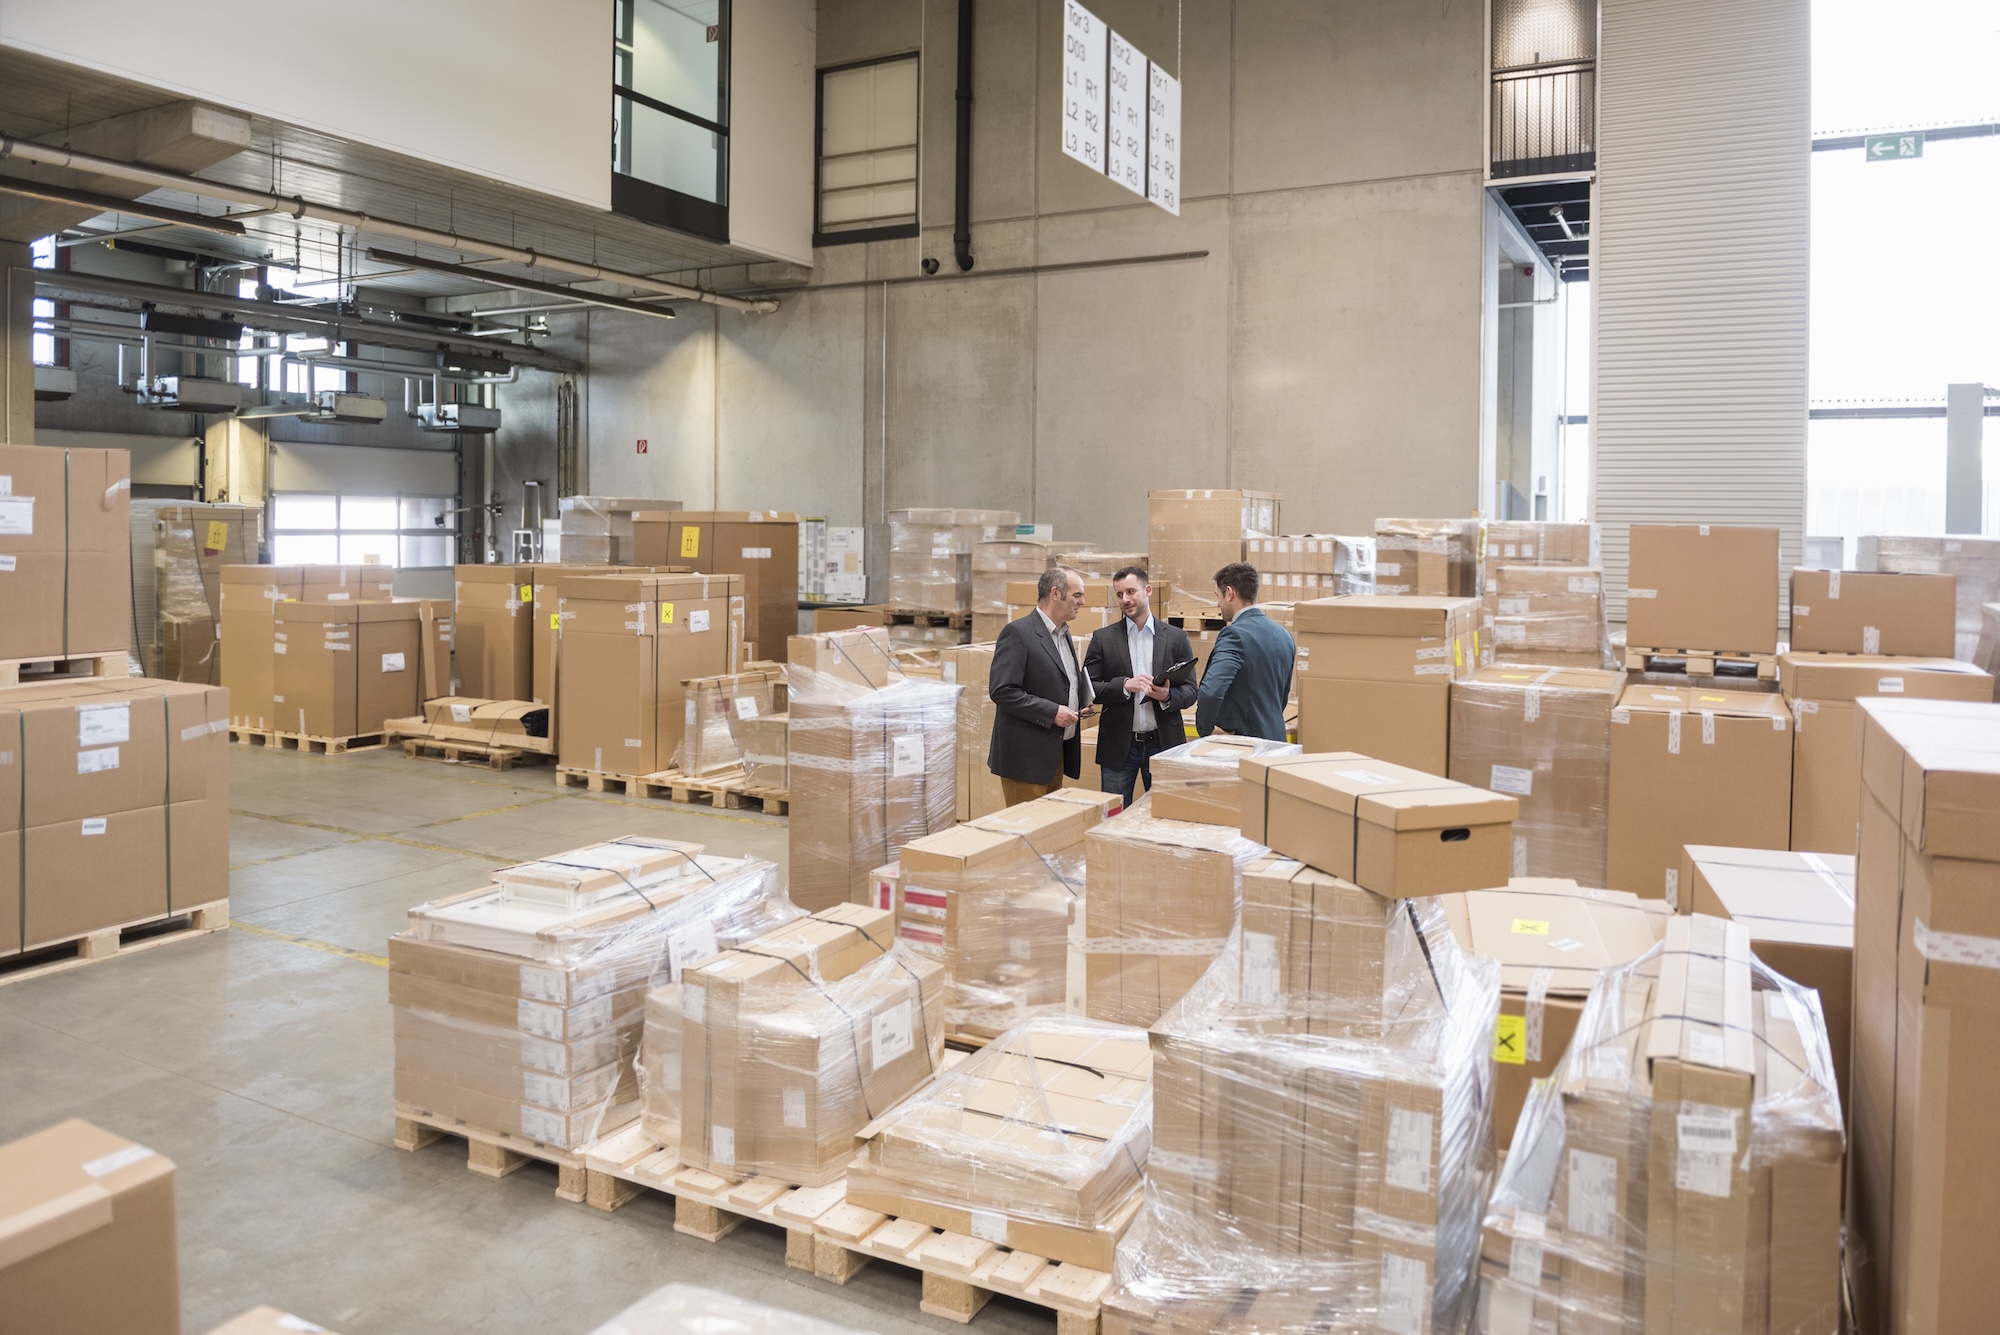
(1682, 1171)
(518, 1005)
(1202, 780)
(1322, 1135)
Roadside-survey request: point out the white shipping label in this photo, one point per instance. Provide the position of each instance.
(1513, 607)
(102, 725)
(6, 563)
(1406, 1292)
(1673, 888)
(1707, 728)
(690, 945)
(1871, 639)
(1707, 1149)
(906, 755)
(1508, 779)
(746, 706)
(544, 1091)
(1593, 1195)
(1531, 704)
(1524, 1262)
(1409, 1163)
(795, 1109)
(337, 597)
(951, 673)
(1260, 968)
(990, 1226)
(1706, 1048)
(722, 1146)
(1610, 1064)
(1888, 685)
(1583, 583)
(1674, 733)
(1833, 585)
(278, 647)
(1642, 593)
(542, 984)
(694, 1004)
(1520, 855)
(6, 484)
(756, 553)
(392, 662)
(1801, 610)
(1393, 569)
(1507, 632)
(461, 713)
(697, 622)
(94, 825)
(532, 1017)
(17, 516)
(891, 1034)
(116, 1160)
(547, 1127)
(97, 760)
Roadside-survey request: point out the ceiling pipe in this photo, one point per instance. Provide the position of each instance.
(524, 284)
(298, 207)
(961, 225)
(90, 199)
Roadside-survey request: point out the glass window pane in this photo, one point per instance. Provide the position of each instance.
(1884, 476)
(672, 60)
(367, 512)
(667, 151)
(427, 551)
(294, 512)
(868, 132)
(424, 512)
(305, 549)
(359, 548)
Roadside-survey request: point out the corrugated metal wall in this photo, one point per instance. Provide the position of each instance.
(1699, 267)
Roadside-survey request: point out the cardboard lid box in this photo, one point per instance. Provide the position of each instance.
(1398, 832)
(1387, 639)
(1702, 586)
(87, 1235)
(1860, 612)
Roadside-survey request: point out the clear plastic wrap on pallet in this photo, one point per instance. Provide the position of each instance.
(997, 562)
(685, 1309)
(717, 709)
(1433, 558)
(1319, 1160)
(930, 555)
(1540, 542)
(1542, 735)
(1038, 1142)
(1975, 561)
(1683, 1168)
(1162, 900)
(873, 761)
(793, 1043)
(1200, 780)
(993, 901)
(1548, 615)
(518, 1006)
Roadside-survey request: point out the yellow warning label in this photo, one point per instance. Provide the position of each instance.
(666, 614)
(1458, 652)
(555, 621)
(690, 540)
(1713, 699)
(1510, 1040)
(1530, 927)
(527, 593)
(218, 536)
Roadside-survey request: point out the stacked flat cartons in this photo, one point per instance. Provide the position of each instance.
(1375, 674)
(65, 552)
(721, 711)
(761, 547)
(597, 530)
(1193, 534)
(191, 545)
(1427, 558)
(1300, 567)
(930, 555)
(1975, 562)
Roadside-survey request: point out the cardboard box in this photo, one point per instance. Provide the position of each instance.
(1396, 831)
(1552, 939)
(1986, 653)
(435, 629)
(191, 545)
(1542, 735)
(1925, 1002)
(760, 546)
(344, 668)
(1855, 612)
(66, 540)
(1702, 586)
(1692, 766)
(930, 555)
(1975, 562)
(1199, 780)
(1375, 674)
(88, 1220)
(1527, 542)
(1192, 534)
(1431, 558)
(1798, 909)
(1309, 934)
(1407, 723)
(1823, 691)
(1550, 616)
(494, 621)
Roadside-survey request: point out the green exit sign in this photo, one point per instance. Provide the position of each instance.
(1883, 147)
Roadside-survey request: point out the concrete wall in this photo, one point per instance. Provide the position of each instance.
(1328, 345)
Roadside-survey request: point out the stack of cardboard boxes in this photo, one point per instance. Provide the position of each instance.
(722, 712)
(1975, 562)
(1430, 558)
(1193, 534)
(930, 555)
(761, 547)
(1100, 604)
(1299, 567)
(344, 669)
(1543, 601)
(598, 530)
(65, 552)
(252, 598)
(873, 755)
(191, 545)
(1202, 780)
(997, 565)
(1703, 588)
(978, 788)
(1375, 674)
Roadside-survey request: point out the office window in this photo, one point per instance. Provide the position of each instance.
(670, 123)
(867, 152)
(44, 347)
(322, 529)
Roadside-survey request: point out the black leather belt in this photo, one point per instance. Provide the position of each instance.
(1145, 736)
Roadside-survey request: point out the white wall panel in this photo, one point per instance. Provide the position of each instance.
(771, 93)
(365, 470)
(1699, 266)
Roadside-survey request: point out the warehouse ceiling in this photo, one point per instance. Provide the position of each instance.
(45, 100)
(1533, 207)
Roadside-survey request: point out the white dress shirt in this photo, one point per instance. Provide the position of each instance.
(1066, 652)
(1139, 644)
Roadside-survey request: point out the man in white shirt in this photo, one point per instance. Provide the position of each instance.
(1128, 663)
(1042, 693)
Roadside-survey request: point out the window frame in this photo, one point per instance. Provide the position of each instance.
(400, 533)
(892, 231)
(661, 205)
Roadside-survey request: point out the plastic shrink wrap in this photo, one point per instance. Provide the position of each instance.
(1542, 735)
(1682, 1171)
(1430, 558)
(1552, 616)
(718, 708)
(1200, 780)
(684, 1309)
(930, 555)
(872, 754)
(1975, 561)
(1161, 903)
(518, 1005)
(994, 901)
(1320, 1154)
(793, 1043)
(1038, 1143)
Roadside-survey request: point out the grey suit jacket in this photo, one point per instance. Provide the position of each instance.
(1248, 679)
(1028, 684)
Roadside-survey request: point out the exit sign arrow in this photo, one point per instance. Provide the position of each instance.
(1883, 147)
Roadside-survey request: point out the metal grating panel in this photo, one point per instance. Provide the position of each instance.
(1700, 270)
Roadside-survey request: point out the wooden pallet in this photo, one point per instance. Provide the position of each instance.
(833, 1240)
(19, 671)
(917, 616)
(110, 942)
(1192, 621)
(724, 793)
(490, 1153)
(494, 757)
(1702, 663)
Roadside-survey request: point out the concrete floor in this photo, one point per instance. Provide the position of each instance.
(259, 1060)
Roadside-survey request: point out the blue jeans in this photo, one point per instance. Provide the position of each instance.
(1138, 761)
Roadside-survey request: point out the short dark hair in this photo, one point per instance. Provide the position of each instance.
(1240, 577)
(1055, 577)
(1140, 571)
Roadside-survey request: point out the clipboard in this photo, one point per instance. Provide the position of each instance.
(1180, 674)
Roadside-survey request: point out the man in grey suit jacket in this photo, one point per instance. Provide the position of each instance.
(1042, 693)
(1128, 662)
(1249, 674)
